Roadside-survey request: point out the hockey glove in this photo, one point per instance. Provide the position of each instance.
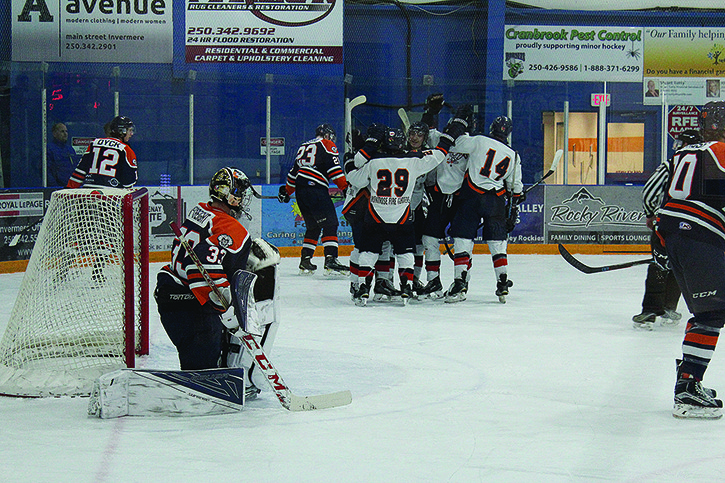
(262, 254)
(659, 254)
(226, 293)
(376, 135)
(513, 217)
(283, 196)
(434, 103)
(229, 319)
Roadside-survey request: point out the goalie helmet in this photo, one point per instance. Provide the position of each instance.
(231, 187)
(712, 121)
(325, 130)
(119, 127)
(395, 141)
(501, 128)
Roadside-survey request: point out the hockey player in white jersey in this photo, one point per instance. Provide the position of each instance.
(493, 169)
(443, 185)
(389, 172)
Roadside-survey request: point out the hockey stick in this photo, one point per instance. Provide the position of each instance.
(557, 157)
(349, 106)
(404, 117)
(288, 400)
(260, 196)
(587, 269)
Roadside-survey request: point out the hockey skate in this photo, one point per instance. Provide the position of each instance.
(406, 292)
(671, 317)
(384, 291)
(251, 392)
(433, 289)
(334, 267)
(644, 321)
(457, 291)
(306, 266)
(418, 288)
(692, 401)
(502, 287)
(360, 298)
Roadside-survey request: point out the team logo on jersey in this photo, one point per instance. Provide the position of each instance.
(685, 226)
(225, 241)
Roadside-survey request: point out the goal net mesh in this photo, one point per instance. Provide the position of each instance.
(84, 293)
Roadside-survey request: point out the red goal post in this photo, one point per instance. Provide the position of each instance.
(83, 306)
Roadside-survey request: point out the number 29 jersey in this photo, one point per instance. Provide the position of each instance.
(695, 196)
(107, 162)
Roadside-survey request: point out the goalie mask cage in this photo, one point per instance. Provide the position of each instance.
(82, 308)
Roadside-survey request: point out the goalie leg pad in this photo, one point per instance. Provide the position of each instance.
(136, 392)
(245, 304)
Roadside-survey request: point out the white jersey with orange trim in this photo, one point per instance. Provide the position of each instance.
(221, 243)
(391, 180)
(492, 165)
(448, 175)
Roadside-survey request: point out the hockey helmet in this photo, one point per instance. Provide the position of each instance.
(712, 121)
(325, 130)
(119, 127)
(501, 128)
(231, 187)
(686, 137)
(421, 129)
(395, 141)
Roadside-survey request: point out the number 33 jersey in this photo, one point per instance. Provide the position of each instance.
(107, 162)
(391, 179)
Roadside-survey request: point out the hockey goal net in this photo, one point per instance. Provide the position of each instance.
(82, 308)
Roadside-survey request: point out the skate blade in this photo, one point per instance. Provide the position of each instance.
(643, 325)
(336, 273)
(456, 298)
(502, 299)
(306, 272)
(667, 322)
(361, 302)
(687, 411)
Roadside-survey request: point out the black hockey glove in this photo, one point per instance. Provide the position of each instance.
(376, 135)
(434, 103)
(282, 196)
(659, 254)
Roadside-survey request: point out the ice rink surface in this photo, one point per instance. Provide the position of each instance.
(553, 386)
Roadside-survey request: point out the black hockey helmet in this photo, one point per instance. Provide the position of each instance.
(231, 187)
(119, 127)
(325, 130)
(395, 141)
(712, 121)
(501, 128)
(686, 137)
(419, 128)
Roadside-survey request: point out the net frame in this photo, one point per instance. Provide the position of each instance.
(83, 305)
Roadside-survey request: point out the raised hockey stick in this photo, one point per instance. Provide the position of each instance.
(260, 196)
(606, 268)
(349, 106)
(404, 117)
(554, 163)
(288, 400)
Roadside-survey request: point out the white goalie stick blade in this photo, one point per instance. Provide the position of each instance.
(404, 117)
(323, 401)
(349, 106)
(289, 400)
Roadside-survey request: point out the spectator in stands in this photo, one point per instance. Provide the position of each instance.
(62, 159)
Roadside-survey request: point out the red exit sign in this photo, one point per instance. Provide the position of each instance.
(599, 99)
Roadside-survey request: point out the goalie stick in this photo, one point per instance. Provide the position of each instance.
(288, 400)
(606, 268)
(404, 117)
(349, 106)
